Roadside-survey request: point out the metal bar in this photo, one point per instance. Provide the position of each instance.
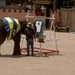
(34, 17)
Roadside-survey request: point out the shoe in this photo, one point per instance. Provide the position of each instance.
(27, 55)
(32, 54)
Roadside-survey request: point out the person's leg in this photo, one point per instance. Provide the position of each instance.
(32, 46)
(28, 45)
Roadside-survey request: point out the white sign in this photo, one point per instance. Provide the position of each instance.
(38, 25)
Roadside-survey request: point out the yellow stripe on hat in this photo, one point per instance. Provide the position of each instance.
(11, 27)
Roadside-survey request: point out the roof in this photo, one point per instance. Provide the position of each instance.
(42, 2)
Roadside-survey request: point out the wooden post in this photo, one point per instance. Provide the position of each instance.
(31, 5)
(54, 5)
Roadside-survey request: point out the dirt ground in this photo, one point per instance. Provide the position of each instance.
(53, 64)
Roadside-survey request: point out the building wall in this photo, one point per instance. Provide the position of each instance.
(19, 15)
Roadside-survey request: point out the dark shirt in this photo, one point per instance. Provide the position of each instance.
(29, 32)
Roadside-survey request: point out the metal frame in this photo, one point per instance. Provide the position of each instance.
(47, 51)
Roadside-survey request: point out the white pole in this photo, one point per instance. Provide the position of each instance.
(27, 16)
(48, 39)
(55, 37)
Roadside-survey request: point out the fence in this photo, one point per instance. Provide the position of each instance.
(68, 18)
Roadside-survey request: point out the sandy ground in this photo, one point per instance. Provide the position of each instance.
(53, 64)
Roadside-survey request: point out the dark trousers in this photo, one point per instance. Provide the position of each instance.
(30, 42)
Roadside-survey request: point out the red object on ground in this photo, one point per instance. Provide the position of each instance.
(43, 50)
